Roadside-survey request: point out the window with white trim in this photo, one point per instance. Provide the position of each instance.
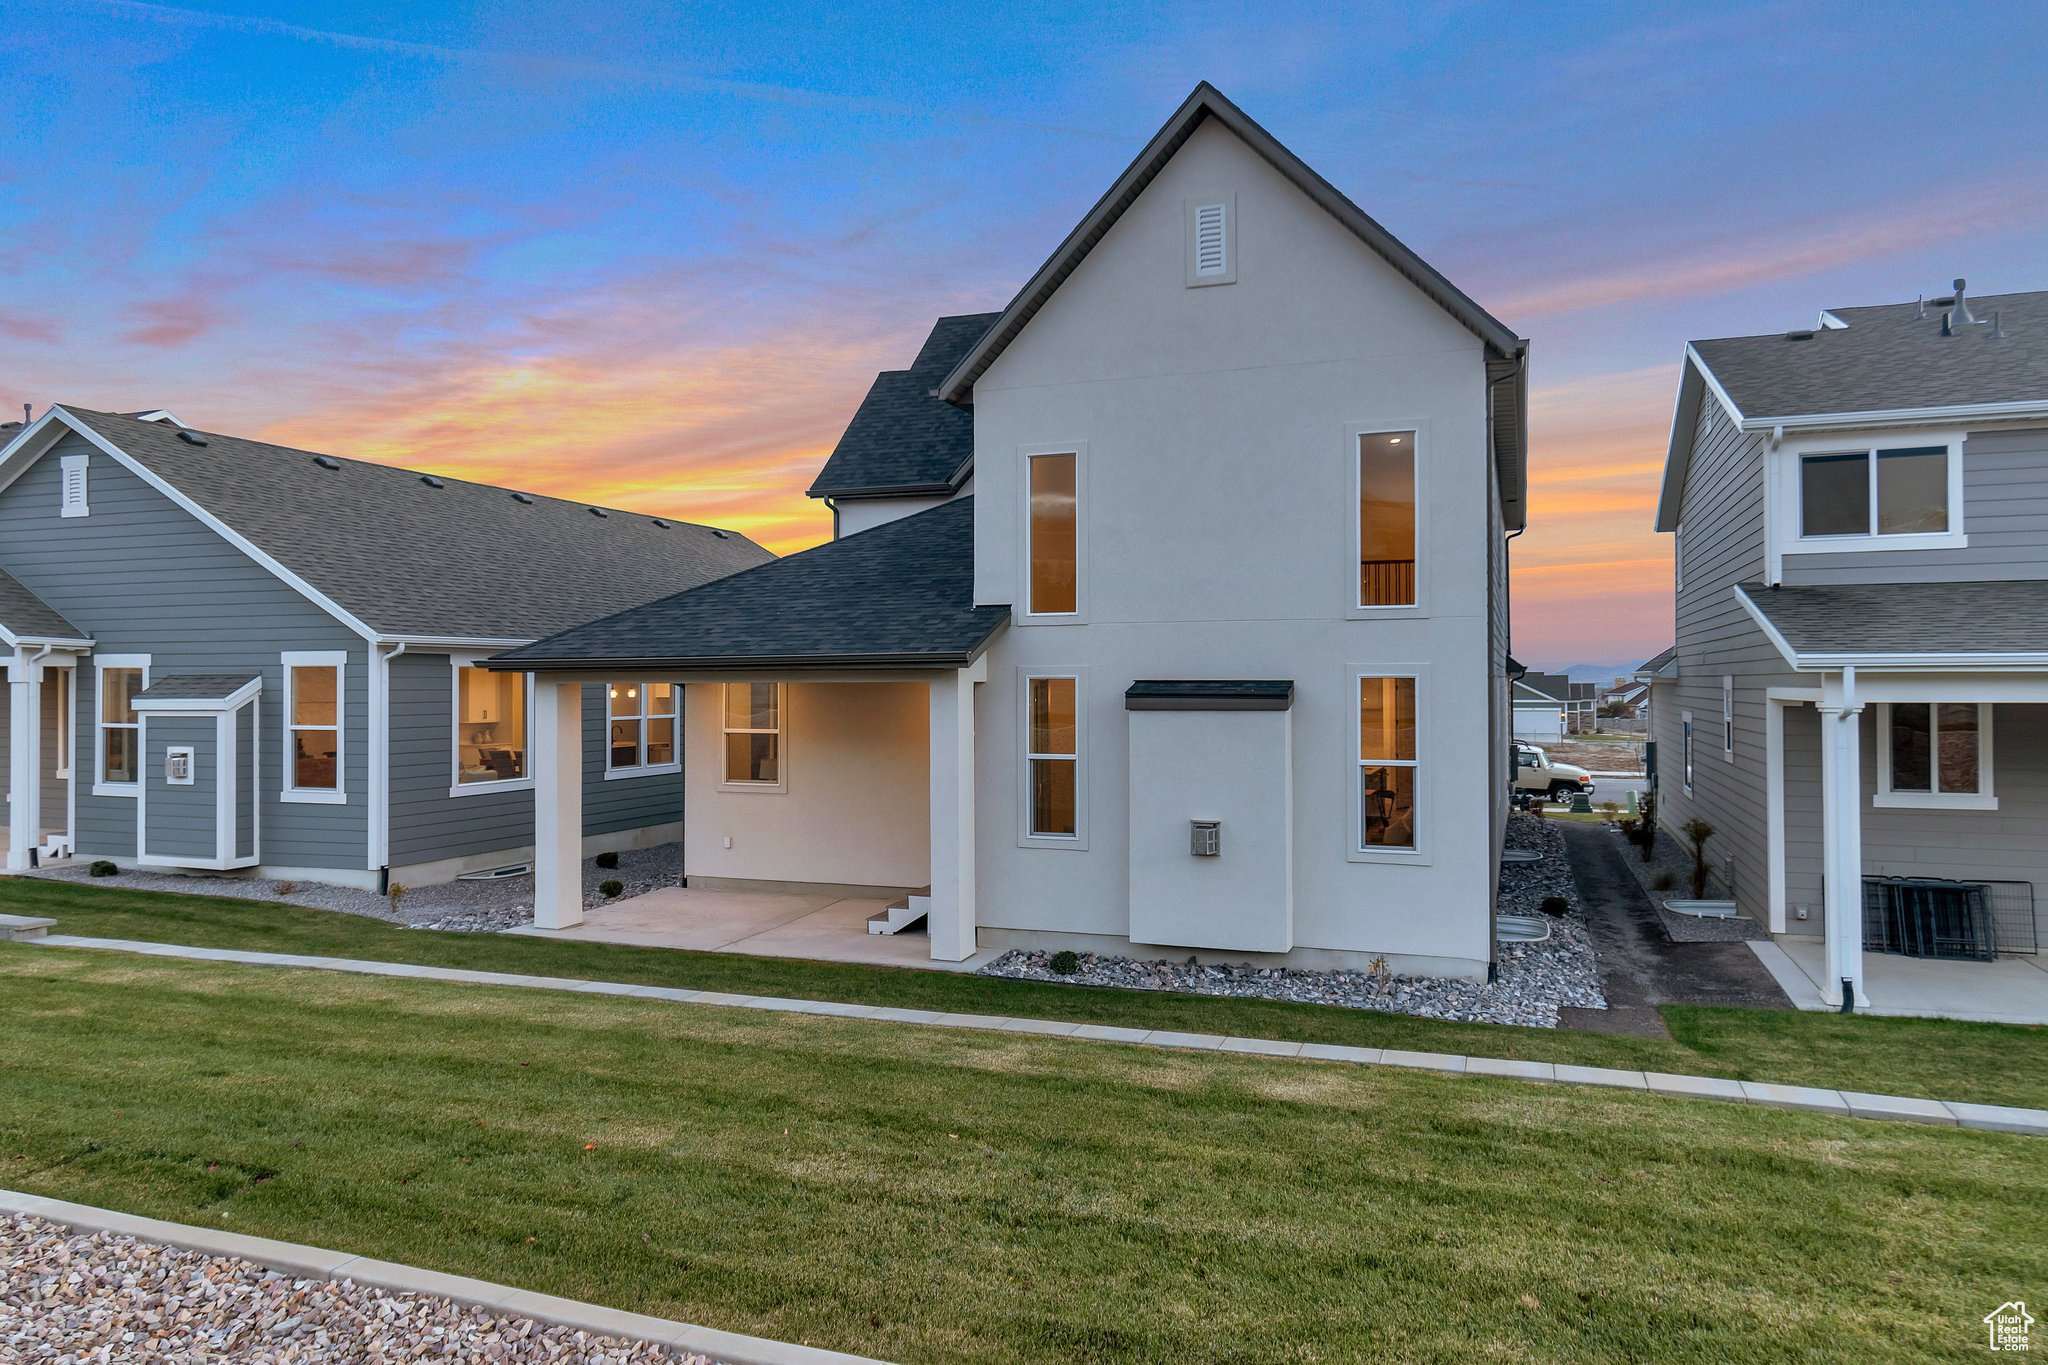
(1727, 716)
(119, 728)
(1052, 753)
(1934, 754)
(315, 688)
(66, 681)
(1388, 763)
(1685, 751)
(72, 471)
(752, 735)
(1053, 533)
(1866, 493)
(493, 717)
(1386, 519)
(640, 723)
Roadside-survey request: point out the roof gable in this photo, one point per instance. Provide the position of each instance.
(904, 438)
(393, 552)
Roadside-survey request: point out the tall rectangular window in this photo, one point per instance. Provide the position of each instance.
(1053, 753)
(641, 720)
(1685, 751)
(1387, 763)
(1728, 715)
(491, 714)
(119, 726)
(1055, 534)
(1386, 519)
(753, 733)
(312, 702)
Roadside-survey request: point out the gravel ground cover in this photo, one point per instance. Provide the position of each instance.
(68, 1298)
(1671, 862)
(471, 906)
(1535, 979)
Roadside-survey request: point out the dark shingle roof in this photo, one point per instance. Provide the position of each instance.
(1887, 358)
(901, 594)
(25, 616)
(901, 438)
(1661, 659)
(195, 686)
(1907, 618)
(1209, 694)
(462, 560)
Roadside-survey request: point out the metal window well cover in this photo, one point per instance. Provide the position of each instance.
(1521, 855)
(1521, 929)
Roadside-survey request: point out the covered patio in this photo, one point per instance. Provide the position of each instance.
(826, 736)
(1907, 792)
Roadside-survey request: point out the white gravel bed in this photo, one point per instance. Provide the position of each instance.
(67, 1299)
(475, 906)
(1671, 861)
(1535, 979)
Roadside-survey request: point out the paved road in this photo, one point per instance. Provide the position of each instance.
(1640, 968)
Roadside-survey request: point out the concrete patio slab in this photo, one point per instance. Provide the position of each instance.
(2012, 990)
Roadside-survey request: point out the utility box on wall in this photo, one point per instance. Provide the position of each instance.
(1209, 755)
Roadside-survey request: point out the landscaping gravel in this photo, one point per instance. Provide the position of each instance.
(67, 1299)
(1535, 978)
(471, 906)
(1670, 862)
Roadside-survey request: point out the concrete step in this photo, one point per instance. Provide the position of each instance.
(904, 914)
(21, 928)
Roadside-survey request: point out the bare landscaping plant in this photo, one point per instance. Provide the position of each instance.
(1698, 832)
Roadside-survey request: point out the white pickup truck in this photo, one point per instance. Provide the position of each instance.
(1536, 772)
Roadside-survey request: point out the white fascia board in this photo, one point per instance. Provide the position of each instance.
(208, 705)
(1977, 661)
(215, 524)
(455, 642)
(13, 641)
(1771, 632)
(1695, 382)
(28, 446)
(1904, 417)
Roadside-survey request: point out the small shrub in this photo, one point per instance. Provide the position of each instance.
(102, 868)
(1699, 831)
(1555, 906)
(1610, 809)
(395, 893)
(606, 859)
(611, 886)
(1663, 880)
(1065, 962)
(287, 888)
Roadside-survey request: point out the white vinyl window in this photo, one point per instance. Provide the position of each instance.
(72, 471)
(1052, 533)
(1389, 764)
(1052, 757)
(65, 681)
(117, 763)
(1728, 716)
(1870, 494)
(1685, 751)
(315, 692)
(640, 728)
(493, 717)
(1932, 755)
(752, 736)
(1386, 487)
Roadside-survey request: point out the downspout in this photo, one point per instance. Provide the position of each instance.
(379, 805)
(1507, 701)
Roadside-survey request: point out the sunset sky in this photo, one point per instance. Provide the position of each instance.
(652, 255)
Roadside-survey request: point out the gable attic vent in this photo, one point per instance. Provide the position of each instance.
(526, 498)
(1212, 245)
(430, 481)
(327, 462)
(71, 502)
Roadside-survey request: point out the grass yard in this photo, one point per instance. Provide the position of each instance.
(937, 1196)
(1988, 1063)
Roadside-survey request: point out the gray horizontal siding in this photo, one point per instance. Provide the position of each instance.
(428, 824)
(181, 821)
(2005, 515)
(144, 577)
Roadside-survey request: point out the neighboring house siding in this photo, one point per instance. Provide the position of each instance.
(142, 576)
(2005, 514)
(429, 825)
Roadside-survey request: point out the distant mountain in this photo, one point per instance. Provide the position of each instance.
(1603, 674)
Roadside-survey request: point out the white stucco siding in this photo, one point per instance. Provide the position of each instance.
(852, 809)
(1218, 461)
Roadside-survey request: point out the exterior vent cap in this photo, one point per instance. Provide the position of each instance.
(430, 481)
(1799, 336)
(662, 524)
(721, 535)
(599, 512)
(1211, 244)
(191, 438)
(327, 462)
(526, 498)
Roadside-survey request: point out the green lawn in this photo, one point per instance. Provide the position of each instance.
(1988, 1063)
(938, 1196)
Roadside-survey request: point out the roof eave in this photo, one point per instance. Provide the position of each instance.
(2017, 410)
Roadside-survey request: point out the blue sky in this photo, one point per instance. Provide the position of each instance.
(654, 254)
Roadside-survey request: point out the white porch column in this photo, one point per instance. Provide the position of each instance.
(1841, 777)
(951, 918)
(24, 757)
(557, 804)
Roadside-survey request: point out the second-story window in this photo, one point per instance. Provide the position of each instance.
(1386, 519)
(1054, 536)
(1881, 492)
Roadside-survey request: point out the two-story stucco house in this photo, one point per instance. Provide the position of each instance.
(1858, 697)
(222, 654)
(1167, 608)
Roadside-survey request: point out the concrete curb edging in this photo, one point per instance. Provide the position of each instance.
(727, 1348)
(1845, 1104)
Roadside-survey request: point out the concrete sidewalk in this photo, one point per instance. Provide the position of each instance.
(1847, 1104)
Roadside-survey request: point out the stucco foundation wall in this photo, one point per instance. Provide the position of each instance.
(854, 808)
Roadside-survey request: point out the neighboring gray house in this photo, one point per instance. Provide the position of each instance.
(1859, 690)
(1548, 705)
(226, 654)
(1212, 659)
